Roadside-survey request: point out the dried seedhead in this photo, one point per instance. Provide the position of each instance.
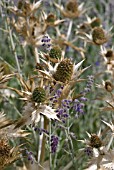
(72, 9)
(99, 36)
(7, 153)
(64, 71)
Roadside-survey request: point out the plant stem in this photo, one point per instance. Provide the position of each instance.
(42, 156)
(50, 156)
(70, 146)
(36, 55)
(40, 139)
(15, 54)
(69, 165)
(69, 29)
(68, 34)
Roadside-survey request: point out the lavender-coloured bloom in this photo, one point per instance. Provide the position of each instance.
(89, 151)
(87, 89)
(40, 131)
(58, 92)
(45, 131)
(97, 63)
(30, 156)
(54, 143)
(84, 99)
(46, 42)
(76, 101)
(65, 115)
(89, 85)
(81, 111)
(61, 111)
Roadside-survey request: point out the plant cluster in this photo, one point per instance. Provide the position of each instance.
(52, 92)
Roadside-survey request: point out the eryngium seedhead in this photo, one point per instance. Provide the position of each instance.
(64, 71)
(99, 36)
(4, 151)
(109, 54)
(39, 95)
(55, 52)
(95, 141)
(96, 22)
(51, 18)
(108, 86)
(23, 5)
(72, 6)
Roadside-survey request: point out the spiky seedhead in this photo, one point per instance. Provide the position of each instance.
(99, 36)
(23, 5)
(20, 4)
(64, 71)
(7, 153)
(95, 141)
(39, 95)
(108, 86)
(51, 18)
(95, 22)
(55, 52)
(109, 54)
(4, 151)
(72, 6)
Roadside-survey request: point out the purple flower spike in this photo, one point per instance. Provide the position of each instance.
(54, 143)
(83, 99)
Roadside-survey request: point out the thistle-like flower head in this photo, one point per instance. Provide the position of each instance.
(7, 154)
(98, 35)
(25, 8)
(55, 53)
(64, 71)
(39, 95)
(95, 141)
(109, 86)
(71, 9)
(36, 102)
(108, 56)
